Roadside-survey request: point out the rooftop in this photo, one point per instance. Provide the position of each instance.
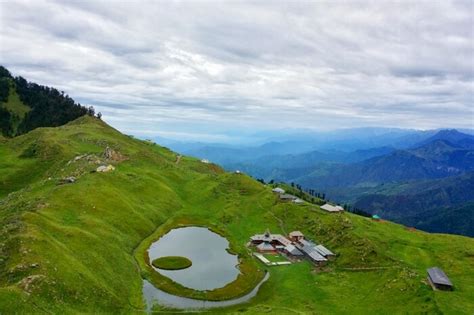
(438, 276)
(278, 190)
(331, 208)
(288, 197)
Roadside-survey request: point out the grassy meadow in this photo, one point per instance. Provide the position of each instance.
(72, 248)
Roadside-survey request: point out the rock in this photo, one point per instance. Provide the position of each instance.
(67, 180)
(27, 283)
(104, 169)
(112, 155)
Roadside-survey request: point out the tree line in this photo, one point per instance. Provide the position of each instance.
(49, 107)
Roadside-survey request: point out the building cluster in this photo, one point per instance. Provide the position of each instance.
(295, 246)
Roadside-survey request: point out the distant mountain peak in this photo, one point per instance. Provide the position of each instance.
(452, 137)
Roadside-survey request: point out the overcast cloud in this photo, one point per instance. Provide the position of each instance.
(195, 69)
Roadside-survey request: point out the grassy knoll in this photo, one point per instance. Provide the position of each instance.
(172, 263)
(57, 242)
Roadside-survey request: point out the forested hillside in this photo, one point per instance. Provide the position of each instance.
(25, 106)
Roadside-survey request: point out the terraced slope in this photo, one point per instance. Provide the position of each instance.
(68, 248)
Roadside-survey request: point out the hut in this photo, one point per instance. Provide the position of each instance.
(296, 236)
(278, 190)
(438, 279)
(287, 197)
(330, 208)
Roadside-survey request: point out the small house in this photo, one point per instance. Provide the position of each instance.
(287, 197)
(278, 190)
(330, 208)
(375, 217)
(296, 236)
(438, 279)
(298, 201)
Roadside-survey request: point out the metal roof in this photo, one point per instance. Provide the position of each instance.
(293, 250)
(296, 233)
(288, 196)
(278, 190)
(316, 256)
(323, 250)
(438, 276)
(265, 246)
(332, 208)
(272, 237)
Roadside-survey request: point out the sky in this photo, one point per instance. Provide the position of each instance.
(212, 70)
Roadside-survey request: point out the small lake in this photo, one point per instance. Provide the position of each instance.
(213, 267)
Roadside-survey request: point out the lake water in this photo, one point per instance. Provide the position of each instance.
(213, 267)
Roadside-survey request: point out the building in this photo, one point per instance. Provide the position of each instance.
(438, 279)
(205, 161)
(275, 240)
(331, 208)
(296, 236)
(308, 249)
(298, 201)
(278, 190)
(266, 247)
(287, 197)
(292, 251)
(376, 217)
(238, 172)
(323, 251)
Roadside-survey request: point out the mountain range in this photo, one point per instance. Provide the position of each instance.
(373, 179)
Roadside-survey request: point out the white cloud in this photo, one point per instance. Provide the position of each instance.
(254, 64)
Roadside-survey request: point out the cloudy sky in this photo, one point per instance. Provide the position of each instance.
(207, 70)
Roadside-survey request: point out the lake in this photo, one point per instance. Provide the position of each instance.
(213, 267)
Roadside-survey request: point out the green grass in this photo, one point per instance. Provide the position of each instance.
(81, 240)
(172, 263)
(275, 257)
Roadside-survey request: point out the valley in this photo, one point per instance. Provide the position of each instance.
(59, 245)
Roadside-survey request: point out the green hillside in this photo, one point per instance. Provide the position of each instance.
(70, 247)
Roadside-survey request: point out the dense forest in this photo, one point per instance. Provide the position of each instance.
(47, 107)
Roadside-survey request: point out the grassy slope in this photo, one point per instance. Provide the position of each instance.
(83, 235)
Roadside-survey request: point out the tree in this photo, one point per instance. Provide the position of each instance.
(99, 115)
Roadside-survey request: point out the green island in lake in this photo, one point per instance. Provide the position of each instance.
(172, 263)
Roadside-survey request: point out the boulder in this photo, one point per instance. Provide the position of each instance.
(68, 180)
(104, 169)
(112, 155)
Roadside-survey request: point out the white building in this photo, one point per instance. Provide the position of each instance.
(331, 208)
